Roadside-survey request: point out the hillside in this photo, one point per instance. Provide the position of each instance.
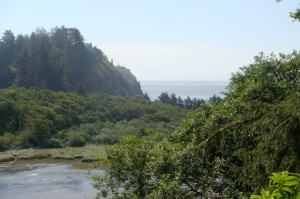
(134, 86)
(45, 118)
(60, 60)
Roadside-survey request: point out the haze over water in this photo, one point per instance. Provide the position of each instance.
(193, 89)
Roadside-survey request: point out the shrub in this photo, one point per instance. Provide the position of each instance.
(105, 139)
(75, 139)
(281, 185)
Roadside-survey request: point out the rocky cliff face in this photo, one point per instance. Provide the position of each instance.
(134, 86)
(113, 80)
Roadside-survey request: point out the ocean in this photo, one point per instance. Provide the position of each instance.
(200, 90)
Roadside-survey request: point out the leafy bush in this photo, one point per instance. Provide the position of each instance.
(106, 136)
(6, 141)
(76, 139)
(53, 143)
(281, 185)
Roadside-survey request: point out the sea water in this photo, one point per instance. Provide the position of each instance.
(193, 89)
(47, 182)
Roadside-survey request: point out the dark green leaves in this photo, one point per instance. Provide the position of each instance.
(227, 146)
(44, 118)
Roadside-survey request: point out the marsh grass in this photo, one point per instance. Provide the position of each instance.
(72, 155)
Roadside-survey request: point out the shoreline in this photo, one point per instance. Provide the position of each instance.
(30, 167)
(80, 157)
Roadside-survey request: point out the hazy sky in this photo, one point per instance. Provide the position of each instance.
(167, 39)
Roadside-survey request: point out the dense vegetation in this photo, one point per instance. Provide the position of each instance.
(60, 60)
(227, 149)
(224, 149)
(44, 118)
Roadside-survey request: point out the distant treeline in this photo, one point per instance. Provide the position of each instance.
(187, 103)
(59, 60)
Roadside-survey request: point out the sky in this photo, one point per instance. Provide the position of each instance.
(169, 40)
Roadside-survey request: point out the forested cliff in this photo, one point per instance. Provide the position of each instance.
(60, 60)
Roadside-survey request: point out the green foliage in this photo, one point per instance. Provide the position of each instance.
(132, 172)
(47, 119)
(281, 185)
(106, 136)
(269, 79)
(60, 60)
(187, 103)
(223, 149)
(295, 15)
(75, 139)
(155, 167)
(264, 118)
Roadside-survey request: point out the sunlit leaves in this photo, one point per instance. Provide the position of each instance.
(281, 185)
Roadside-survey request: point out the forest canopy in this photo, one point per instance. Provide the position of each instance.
(41, 118)
(60, 60)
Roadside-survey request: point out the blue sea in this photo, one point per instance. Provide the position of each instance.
(193, 89)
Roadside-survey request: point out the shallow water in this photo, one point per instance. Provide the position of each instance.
(47, 182)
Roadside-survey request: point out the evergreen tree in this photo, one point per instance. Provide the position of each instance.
(173, 99)
(164, 98)
(7, 55)
(180, 102)
(59, 60)
(146, 96)
(188, 103)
